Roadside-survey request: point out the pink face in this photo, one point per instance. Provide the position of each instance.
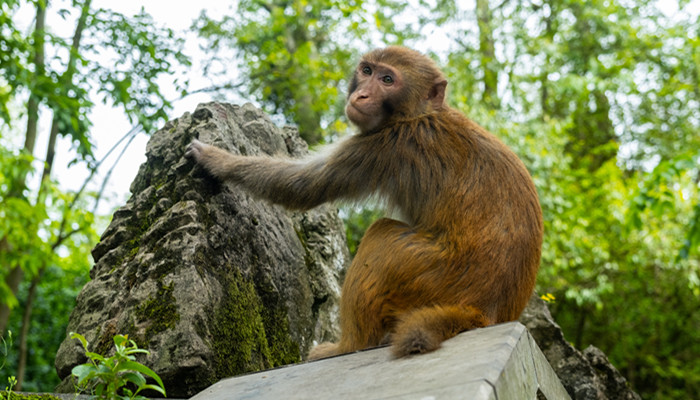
(373, 91)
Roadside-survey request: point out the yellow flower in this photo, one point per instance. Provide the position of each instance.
(548, 297)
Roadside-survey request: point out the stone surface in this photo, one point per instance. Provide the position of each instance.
(499, 362)
(586, 376)
(212, 282)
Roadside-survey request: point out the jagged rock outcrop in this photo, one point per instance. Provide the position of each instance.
(211, 281)
(585, 376)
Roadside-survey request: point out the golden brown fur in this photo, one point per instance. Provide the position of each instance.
(468, 251)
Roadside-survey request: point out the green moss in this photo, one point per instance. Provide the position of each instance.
(105, 340)
(283, 350)
(27, 396)
(308, 258)
(239, 334)
(249, 333)
(160, 310)
(131, 247)
(133, 251)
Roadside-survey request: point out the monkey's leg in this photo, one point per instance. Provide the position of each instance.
(422, 330)
(391, 274)
(363, 313)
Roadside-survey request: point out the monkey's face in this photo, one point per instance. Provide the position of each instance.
(391, 84)
(375, 93)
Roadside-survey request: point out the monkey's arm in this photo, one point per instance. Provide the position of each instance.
(294, 184)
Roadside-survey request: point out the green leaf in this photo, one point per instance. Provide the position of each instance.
(95, 356)
(158, 389)
(135, 378)
(135, 366)
(83, 372)
(81, 338)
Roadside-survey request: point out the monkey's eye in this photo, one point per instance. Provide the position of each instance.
(367, 70)
(388, 79)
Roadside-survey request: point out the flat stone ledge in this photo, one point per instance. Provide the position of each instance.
(501, 362)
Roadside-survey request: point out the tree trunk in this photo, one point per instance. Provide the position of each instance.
(34, 100)
(26, 322)
(544, 77)
(487, 51)
(48, 165)
(67, 77)
(13, 279)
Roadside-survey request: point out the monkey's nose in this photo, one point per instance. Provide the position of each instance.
(360, 95)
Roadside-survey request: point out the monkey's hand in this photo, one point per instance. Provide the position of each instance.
(195, 150)
(216, 161)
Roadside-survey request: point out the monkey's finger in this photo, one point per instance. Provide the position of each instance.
(194, 149)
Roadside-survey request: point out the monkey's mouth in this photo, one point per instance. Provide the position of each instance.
(356, 109)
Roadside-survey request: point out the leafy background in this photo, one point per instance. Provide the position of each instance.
(601, 100)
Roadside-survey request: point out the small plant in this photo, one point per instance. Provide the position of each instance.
(11, 380)
(107, 377)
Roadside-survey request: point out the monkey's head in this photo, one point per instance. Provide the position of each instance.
(393, 83)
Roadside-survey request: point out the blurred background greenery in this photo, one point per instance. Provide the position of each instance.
(601, 100)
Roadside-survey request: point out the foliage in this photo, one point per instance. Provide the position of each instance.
(289, 53)
(139, 52)
(46, 233)
(356, 223)
(296, 55)
(109, 377)
(55, 300)
(20, 220)
(42, 246)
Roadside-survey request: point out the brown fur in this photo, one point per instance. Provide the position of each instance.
(469, 249)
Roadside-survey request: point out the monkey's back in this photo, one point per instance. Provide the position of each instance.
(455, 180)
(501, 229)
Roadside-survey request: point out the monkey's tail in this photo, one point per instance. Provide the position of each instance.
(323, 350)
(422, 330)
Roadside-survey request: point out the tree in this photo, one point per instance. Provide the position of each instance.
(295, 56)
(55, 75)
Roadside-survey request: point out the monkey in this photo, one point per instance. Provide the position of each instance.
(466, 249)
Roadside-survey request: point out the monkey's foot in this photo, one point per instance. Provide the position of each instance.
(324, 350)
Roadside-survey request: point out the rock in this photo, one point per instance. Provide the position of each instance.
(586, 376)
(211, 281)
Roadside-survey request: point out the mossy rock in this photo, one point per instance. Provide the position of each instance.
(209, 280)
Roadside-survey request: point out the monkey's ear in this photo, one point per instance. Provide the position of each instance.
(436, 95)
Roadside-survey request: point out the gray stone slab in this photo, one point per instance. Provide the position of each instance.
(549, 383)
(498, 362)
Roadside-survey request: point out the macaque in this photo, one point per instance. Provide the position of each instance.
(466, 249)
